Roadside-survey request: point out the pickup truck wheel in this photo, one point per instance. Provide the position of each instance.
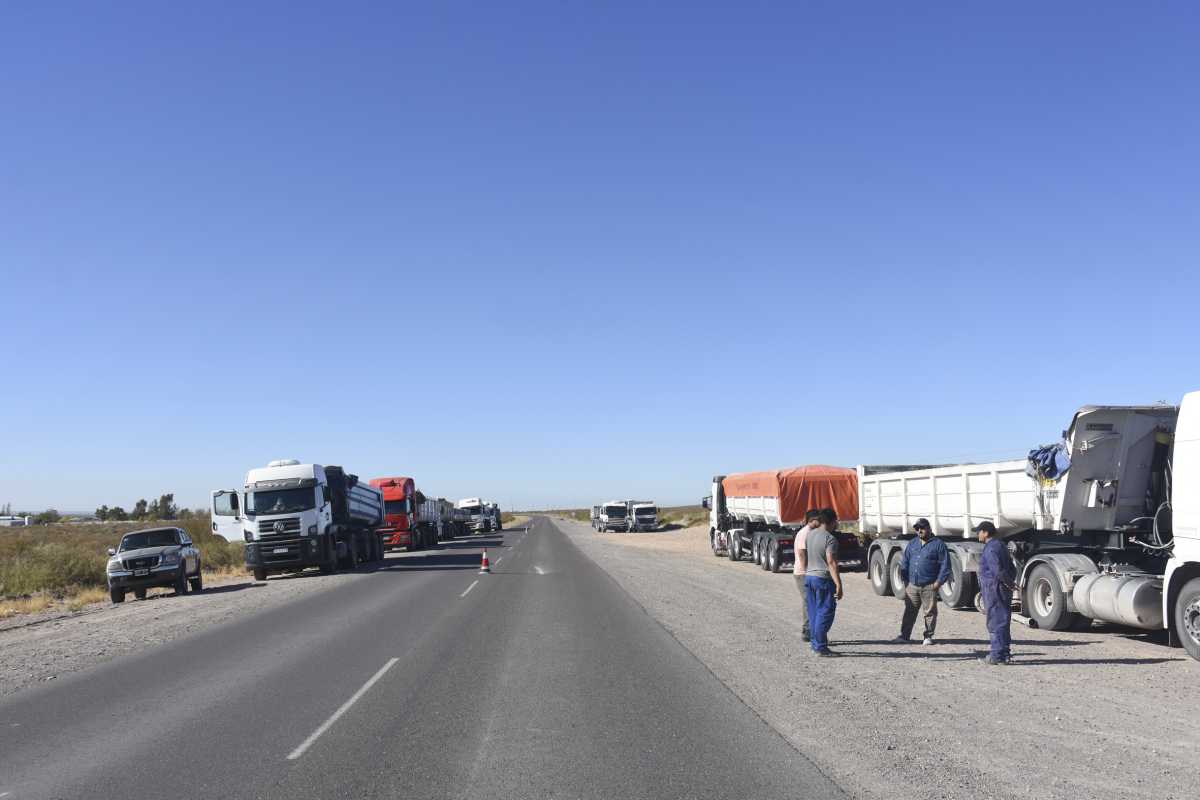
(198, 581)
(181, 584)
(260, 574)
(1045, 602)
(773, 557)
(1187, 617)
(877, 569)
(959, 590)
(140, 594)
(116, 595)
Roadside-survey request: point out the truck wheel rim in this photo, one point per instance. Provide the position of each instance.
(1191, 621)
(1043, 598)
(877, 573)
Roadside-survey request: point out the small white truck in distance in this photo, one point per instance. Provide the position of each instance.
(482, 518)
(640, 515)
(612, 516)
(1105, 527)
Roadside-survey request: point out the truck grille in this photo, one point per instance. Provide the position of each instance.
(290, 528)
(141, 563)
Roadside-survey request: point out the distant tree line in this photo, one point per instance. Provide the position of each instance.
(162, 508)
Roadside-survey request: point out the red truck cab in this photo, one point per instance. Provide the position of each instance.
(399, 512)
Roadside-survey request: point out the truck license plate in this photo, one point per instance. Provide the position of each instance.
(280, 550)
(141, 572)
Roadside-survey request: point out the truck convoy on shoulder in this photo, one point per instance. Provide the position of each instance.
(411, 520)
(757, 514)
(294, 515)
(1102, 526)
(482, 516)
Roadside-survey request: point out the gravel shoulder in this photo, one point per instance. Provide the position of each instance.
(1080, 714)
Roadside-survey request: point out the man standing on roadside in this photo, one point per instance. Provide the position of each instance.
(997, 579)
(822, 581)
(800, 565)
(924, 567)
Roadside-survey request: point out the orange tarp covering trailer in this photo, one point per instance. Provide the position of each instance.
(799, 489)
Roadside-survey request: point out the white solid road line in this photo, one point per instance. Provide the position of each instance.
(472, 586)
(299, 751)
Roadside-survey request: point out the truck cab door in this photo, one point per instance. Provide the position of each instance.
(227, 514)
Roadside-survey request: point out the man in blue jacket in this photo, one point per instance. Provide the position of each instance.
(997, 579)
(924, 567)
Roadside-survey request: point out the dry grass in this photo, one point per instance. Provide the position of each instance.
(85, 597)
(25, 605)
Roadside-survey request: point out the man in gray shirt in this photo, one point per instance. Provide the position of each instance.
(822, 581)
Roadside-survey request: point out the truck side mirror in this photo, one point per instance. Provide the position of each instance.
(112, 551)
(704, 503)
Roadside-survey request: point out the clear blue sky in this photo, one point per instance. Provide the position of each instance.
(550, 253)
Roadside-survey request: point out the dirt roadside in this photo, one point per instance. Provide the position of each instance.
(1080, 714)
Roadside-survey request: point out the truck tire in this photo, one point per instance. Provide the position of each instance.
(712, 541)
(735, 547)
(260, 574)
(959, 590)
(1187, 617)
(773, 556)
(181, 584)
(878, 572)
(140, 594)
(1045, 602)
(116, 595)
(764, 552)
(894, 574)
(198, 581)
(755, 552)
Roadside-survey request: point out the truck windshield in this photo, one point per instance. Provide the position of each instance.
(645, 512)
(279, 501)
(615, 511)
(472, 509)
(136, 541)
(397, 506)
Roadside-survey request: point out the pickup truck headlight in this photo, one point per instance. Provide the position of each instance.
(169, 559)
(115, 565)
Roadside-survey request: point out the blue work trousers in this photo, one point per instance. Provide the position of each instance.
(997, 603)
(821, 597)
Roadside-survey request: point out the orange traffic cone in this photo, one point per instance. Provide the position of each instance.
(484, 566)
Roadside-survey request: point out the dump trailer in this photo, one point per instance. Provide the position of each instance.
(1103, 525)
(292, 516)
(757, 514)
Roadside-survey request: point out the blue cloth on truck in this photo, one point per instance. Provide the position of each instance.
(924, 563)
(1049, 462)
(997, 575)
(822, 604)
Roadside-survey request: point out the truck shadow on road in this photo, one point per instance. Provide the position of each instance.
(231, 587)
(431, 560)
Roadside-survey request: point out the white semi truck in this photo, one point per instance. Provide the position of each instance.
(484, 515)
(612, 516)
(292, 516)
(1105, 526)
(640, 515)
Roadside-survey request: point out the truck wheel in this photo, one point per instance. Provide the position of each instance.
(755, 552)
(878, 571)
(773, 557)
(894, 575)
(712, 541)
(1187, 617)
(260, 574)
(764, 550)
(735, 547)
(198, 581)
(140, 594)
(1045, 602)
(116, 595)
(181, 584)
(959, 590)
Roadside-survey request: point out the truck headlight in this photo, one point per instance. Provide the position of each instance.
(249, 536)
(168, 559)
(312, 530)
(115, 566)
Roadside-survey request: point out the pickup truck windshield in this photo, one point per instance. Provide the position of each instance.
(279, 501)
(136, 541)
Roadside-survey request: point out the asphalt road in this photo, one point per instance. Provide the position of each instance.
(421, 679)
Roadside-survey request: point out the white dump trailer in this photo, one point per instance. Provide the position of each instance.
(1102, 526)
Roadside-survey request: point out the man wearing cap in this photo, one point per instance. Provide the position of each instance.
(924, 567)
(997, 579)
(800, 565)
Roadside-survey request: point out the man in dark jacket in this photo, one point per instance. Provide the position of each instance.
(997, 579)
(924, 567)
